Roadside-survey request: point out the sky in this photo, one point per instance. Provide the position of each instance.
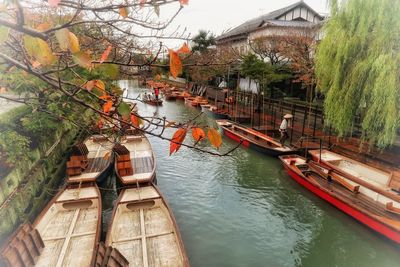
(219, 15)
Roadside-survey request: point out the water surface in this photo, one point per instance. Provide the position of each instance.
(244, 210)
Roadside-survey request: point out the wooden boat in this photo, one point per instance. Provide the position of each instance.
(189, 100)
(348, 196)
(195, 101)
(205, 107)
(91, 160)
(253, 139)
(352, 168)
(135, 161)
(153, 102)
(65, 233)
(215, 112)
(144, 229)
(182, 95)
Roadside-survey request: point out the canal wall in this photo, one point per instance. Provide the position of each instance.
(27, 188)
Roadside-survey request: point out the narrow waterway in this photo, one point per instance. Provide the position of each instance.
(244, 210)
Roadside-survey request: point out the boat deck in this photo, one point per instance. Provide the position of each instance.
(258, 138)
(97, 161)
(143, 231)
(69, 229)
(142, 159)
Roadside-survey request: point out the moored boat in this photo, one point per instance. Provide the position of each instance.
(91, 160)
(205, 107)
(355, 169)
(65, 233)
(253, 139)
(196, 101)
(134, 161)
(348, 196)
(214, 112)
(182, 95)
(144, 229)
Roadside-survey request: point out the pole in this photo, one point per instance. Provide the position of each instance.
(304, 120)
(291, 132)
(315, 120)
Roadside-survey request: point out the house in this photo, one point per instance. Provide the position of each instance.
(297, 17)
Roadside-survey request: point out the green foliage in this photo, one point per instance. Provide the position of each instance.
(263, 72)
(358, 66)
(14, 146)
(202, 41)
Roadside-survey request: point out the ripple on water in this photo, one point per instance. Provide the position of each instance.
(244, 210)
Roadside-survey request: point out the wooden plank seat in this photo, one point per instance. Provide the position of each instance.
(391, 208)
(23, 248)
(78, 160)
(124, 164)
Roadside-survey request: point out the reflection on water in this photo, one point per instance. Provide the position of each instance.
(244, 210)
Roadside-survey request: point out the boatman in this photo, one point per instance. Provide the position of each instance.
(156, 92)
(283, 129)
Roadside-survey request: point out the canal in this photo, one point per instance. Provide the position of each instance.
(244, 210)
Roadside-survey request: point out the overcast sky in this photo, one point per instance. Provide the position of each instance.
(219, 15)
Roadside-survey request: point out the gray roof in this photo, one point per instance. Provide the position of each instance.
(272, 18)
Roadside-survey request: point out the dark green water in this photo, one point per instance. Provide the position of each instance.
(244, 210)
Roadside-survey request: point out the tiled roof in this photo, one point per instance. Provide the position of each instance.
(271, 17)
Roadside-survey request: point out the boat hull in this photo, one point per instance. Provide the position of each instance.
(153, 103)
(219, 116)
(353, 212)
(158, 239)
(248, 144)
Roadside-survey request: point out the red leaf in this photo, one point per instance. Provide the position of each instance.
(177, 140)
(54, 3)
(184, 49)
(175, 64)
(134, 120)
(184, 2)
(198, 134)
(105, 54)
(107, 106)
(214, 137)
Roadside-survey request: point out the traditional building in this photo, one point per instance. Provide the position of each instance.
(288, 20)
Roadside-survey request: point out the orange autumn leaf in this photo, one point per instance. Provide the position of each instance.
(198, 134)
(89, 85)
(184, 2)
(105, 54)
(175, 64)
(134, 120)
(123, 11)
(214, 137)
(107, 106)
(177, 140)
(184, 49)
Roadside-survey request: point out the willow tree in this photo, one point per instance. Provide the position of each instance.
(358, 68)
